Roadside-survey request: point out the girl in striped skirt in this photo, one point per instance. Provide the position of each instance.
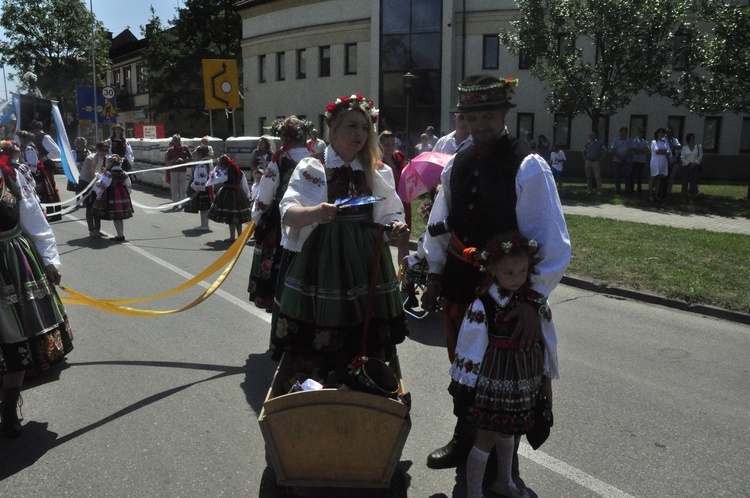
(232, 202)
(498, 378)
(113, 196)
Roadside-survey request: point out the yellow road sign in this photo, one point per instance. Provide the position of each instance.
(221, 84)
(109, 110)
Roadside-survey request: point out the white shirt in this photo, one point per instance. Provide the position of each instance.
(540, 217)
(694, 155)
(269, 183)
(308, 187)
(33, 222)
(53, 151)
(557, 159)
(447, 144)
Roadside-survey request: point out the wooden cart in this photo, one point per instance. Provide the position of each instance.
(332, 438)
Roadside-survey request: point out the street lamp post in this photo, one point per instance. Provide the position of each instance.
(408, 80)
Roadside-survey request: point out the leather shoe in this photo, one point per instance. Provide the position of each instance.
(451, 455)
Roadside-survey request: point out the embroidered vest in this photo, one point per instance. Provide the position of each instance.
(483, 204)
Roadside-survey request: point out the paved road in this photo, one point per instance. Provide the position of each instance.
(653, 401)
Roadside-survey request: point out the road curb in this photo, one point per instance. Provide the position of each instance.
(647, 297)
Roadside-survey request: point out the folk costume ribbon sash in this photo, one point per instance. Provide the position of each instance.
(228, 259)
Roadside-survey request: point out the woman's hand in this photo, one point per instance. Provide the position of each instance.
(53, 274)
(326, 213)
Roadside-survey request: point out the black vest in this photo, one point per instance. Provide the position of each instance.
(483, 204)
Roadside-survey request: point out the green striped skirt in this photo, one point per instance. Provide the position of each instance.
(323, 299)
(34, 329)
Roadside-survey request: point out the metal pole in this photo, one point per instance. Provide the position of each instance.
(6, 84)
(93, 70)
(211, 122)
(234, 125)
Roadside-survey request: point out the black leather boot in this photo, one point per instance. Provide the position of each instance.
(9, 421)
(457, 450)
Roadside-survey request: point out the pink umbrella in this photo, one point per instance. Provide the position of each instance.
(421, 174)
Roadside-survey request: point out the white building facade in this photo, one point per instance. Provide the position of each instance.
(298, 55)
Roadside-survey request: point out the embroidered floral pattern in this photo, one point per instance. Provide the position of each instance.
(314, 179)
(467, 365)
(475, 316)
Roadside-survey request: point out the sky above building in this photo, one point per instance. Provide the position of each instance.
(128, 14)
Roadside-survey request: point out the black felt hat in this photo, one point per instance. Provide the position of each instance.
(483, 92)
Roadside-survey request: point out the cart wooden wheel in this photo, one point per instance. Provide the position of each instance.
(269, 487)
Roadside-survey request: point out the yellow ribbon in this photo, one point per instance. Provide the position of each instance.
(230, 257)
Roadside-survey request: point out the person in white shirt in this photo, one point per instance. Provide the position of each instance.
(692, 155)
(315, 144)
(557, 160)
(493, 186)
(457, 140)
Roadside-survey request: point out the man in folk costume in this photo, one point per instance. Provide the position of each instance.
(493, 186)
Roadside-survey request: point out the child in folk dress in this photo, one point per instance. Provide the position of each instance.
(113, 196)
(201, 196)
(500, 381)
(232, 202)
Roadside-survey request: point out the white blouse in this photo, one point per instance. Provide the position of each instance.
(308, 188)
(34, 223)
(269, 184)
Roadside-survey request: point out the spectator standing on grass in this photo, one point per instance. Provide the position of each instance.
(177, 154)
(638, 150)
(692, 155)
(557, 161)
(621, 161)
(593, 152)
(675, 163)
(659, 165)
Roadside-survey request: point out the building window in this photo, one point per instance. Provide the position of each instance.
(322, 129)
(561, 131)
(745, 136)
(301, 64)
(140, 72)
(116, 78)
(491, 52)
(262, 74)
(638, 121)
(681, 42)
(677, 123)
(350, 58)
(127, 79)
(261, 126)
(711, 134)
(280, 66)
(324, 59)
(524, 59)
(525, 127)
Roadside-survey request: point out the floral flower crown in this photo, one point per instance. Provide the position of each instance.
(292, 129)
(10, 146)
(352, 102)
(386, 383)
(496, 249)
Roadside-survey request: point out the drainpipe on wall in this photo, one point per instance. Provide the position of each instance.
(463, 41)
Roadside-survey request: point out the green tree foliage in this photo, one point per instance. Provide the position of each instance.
(52, 39)
(717, 78)
(204, 29)
(596, 55)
